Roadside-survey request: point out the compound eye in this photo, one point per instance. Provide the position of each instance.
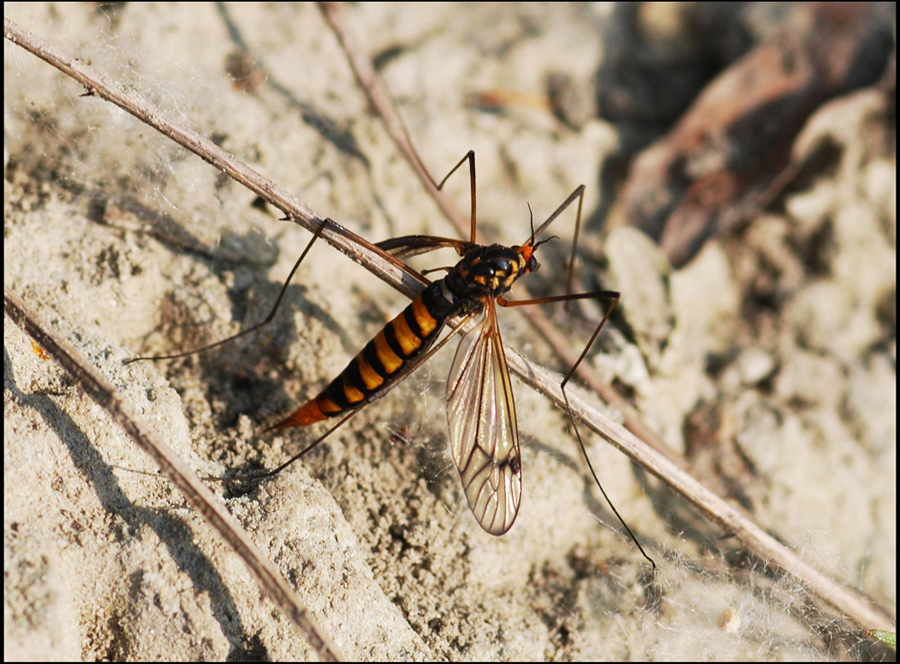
(503, 265)
(484, 270)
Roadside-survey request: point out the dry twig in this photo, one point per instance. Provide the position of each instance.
(732, 520)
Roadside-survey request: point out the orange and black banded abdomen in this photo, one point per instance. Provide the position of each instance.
(378, 366)
(485, 271)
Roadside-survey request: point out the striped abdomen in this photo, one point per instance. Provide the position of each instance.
(378, 365)
(482, 273)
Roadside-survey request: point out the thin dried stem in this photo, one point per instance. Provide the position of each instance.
(393, 272)
(731, 519)
(639, 442)
(173, 468)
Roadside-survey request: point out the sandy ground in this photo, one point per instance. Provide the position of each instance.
(126, 245)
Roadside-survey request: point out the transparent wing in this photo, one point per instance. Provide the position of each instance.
(482, 418)
(413, 245)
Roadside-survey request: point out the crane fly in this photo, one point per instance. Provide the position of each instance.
(481, 411)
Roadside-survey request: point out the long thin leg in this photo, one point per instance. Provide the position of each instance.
(579, 194)
(613, 297)
(305, 450)
(312, 445)
(470, 155)
(253, 328)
